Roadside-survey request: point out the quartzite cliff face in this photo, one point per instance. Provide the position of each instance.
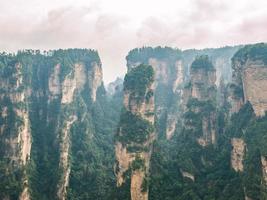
(250, 78)
(133, 146)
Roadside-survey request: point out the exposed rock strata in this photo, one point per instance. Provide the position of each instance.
(64, 157)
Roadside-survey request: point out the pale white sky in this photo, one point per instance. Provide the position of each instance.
(114, 27)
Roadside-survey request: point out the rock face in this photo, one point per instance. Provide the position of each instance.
(169, 77)
(255, 91)
(188, 175)
(75, 80)
(250, 79)
(64, 158)
(95, 79)
(200, 98)
(133, 146)
(264, 168)
(203, 82)
(15, 125)
(41, 98)
(172, 72)
(238, 154)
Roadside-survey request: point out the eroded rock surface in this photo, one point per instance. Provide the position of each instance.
(237, 154)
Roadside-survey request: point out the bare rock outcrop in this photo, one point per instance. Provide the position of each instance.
(79, 75)
(238, 154)
(64, 157)
(250, 78)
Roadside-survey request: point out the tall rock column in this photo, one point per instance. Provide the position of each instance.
(135, 136)
(200, 96)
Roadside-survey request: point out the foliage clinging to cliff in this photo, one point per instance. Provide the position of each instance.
(139, 79)
(143, 54)
(133, 128)
(202, 62)
(253, 52)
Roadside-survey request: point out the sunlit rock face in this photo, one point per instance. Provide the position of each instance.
(75, 81)
(133, 152)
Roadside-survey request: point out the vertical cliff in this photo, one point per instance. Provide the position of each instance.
(135, 137)
(202, 100)
(53, 107)
(169, 76)
(247, 100)
(14, 128)
(250, 75)
(172, 73)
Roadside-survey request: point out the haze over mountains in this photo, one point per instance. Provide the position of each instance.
(133, 100)
(182, 125)
(114, 27)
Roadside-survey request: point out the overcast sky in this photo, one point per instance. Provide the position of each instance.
(113, 27)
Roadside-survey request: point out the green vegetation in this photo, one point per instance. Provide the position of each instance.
(138, 164)
(163, 53)
(92, 134)
(92, 153)
(133, 128)
(138, 80)
(253, 52)
(202, 62)
(11, 180)
(145, 184)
